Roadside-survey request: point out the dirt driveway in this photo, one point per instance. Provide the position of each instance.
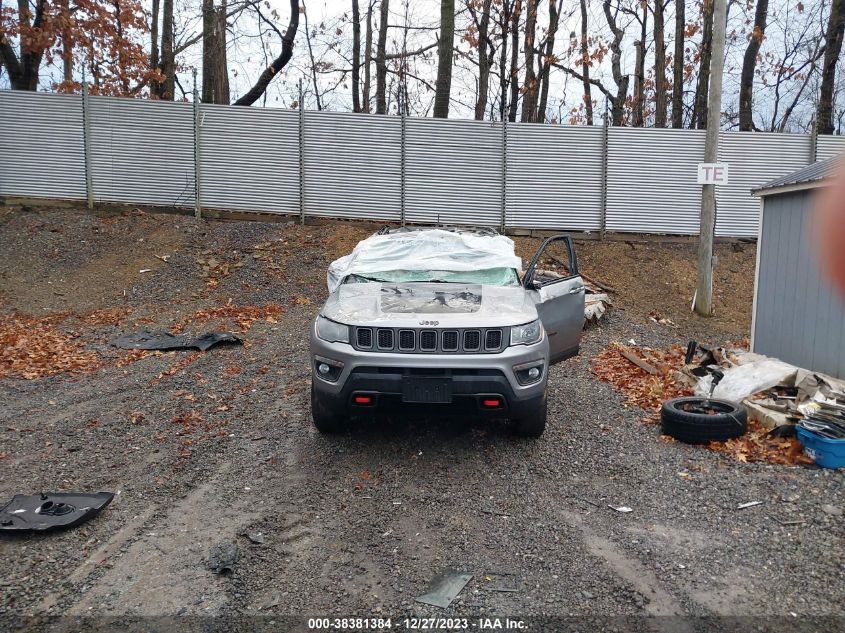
(204, 447)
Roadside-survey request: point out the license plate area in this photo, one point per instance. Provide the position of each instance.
(426, 390)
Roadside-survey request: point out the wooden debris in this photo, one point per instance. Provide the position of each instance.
(639, 362)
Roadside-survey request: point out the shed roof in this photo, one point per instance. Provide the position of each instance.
(811, 176)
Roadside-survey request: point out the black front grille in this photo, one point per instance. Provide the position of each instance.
(385, 338)
(493, 340)
(416, 341)
(428, 340)
(472, 340)
(406, 340)
(365, 337)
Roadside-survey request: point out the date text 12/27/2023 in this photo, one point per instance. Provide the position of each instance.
(416, 624)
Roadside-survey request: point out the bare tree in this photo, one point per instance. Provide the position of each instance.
(585, 64)
(381, 59)
(530, 86)
(618, 101)
(749, 64)
(699, 111)
(639, 68)
(215, 71)
(660, 84)
(280, 62)
(443, 85)
(485, 56)
(833, 47)
(167, 88)
(514, 72)
(154, 61)
(356, 57)
(678, 66)
(368, 51)
(545, 65)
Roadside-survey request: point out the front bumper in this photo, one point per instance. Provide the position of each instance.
(471, 376)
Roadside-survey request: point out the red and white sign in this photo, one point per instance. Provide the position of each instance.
(713, 173)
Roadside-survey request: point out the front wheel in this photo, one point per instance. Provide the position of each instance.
(324, 419)
(533, 424)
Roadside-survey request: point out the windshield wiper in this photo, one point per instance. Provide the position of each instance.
(376, 279)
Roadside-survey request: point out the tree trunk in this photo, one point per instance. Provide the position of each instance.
(368, 46)
(554, 21)
(215, 70)
(585, 64)
(833, 46)
(280, 62)
(208, 49)
(155, 86)
(639, 78)
(514, 73)
(356, 57)
(168, 61)
(530, 87)
(678, 65)
(485, 60)
(699, 111)
(221, 74)
(443, 85)
(749, 64)
(660, 85)
(503, 59)
(24, 71)
(381, 60)
(621, 80)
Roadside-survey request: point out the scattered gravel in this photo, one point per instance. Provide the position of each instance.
(359, 524)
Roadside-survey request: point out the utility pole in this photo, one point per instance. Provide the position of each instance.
(707, 225)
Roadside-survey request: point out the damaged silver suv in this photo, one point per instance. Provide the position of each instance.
(441, 319)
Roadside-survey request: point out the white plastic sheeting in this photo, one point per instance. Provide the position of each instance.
(425, 250)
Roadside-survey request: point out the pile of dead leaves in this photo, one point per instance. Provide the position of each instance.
(641, 388)
(243, 316)
(33, 348)
(105, 316)
(758, 446)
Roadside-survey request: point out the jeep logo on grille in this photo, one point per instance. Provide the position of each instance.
(429, 322)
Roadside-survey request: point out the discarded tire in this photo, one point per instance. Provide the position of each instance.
(697, 420)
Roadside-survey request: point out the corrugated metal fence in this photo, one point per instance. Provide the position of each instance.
(334, 164)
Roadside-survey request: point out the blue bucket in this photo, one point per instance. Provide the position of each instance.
(826, 452)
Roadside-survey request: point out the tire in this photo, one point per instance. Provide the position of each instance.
(729, 420)
(324, 419)
(531, 425)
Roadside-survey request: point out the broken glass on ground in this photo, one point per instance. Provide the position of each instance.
(444, 588)
(51, 510)
(165, 341)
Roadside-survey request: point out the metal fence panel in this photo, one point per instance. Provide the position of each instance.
(554, 177)
(249, 159)
(453, 171)
(829, 146)
(353, 165)
(41, 145)
(142, 151)
(652, 180)
(754, 158)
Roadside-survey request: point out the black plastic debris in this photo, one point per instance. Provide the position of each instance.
(51, 510)
(165, 341)
(223, 558)
(444, 588)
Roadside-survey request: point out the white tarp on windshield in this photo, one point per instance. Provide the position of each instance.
(433, 249)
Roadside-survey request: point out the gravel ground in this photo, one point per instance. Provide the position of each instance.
(205, 447)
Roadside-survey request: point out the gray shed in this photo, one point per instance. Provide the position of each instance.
(798, 316)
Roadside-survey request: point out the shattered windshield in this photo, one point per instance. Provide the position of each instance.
(488, 276)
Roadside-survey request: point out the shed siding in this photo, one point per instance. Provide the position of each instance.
(800, 316)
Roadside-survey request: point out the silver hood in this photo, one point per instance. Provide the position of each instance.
(452, 304)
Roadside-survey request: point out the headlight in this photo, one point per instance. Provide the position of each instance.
(526, 334)
(331, 331)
